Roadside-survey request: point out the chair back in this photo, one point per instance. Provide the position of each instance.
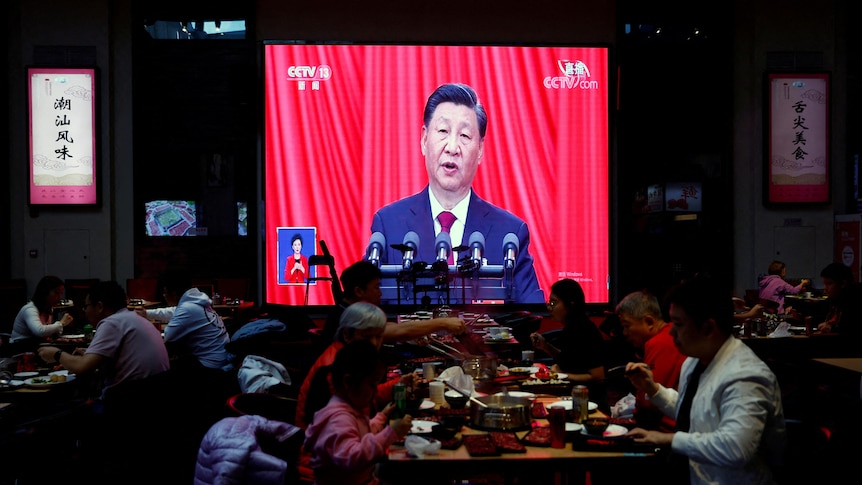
(319, 260)
(77, 289)
(143, 288)
(234, 288)
(270, 406)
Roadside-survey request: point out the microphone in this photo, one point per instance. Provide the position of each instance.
(510, 250)
(477, 248)
(411, 242)
(375, 248)
(443, 246)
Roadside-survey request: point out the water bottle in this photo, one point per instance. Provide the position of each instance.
(400, 397)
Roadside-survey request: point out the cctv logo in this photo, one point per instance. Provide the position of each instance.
(576, 75)
(309, 73)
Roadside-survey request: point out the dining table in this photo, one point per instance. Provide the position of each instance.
(39, 415)
(238, 310)
(570, 464)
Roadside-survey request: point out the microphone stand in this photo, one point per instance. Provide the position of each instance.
(399, 278)
(466, 267)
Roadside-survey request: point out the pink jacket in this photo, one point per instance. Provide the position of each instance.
(230, 455)
(345, 444)
(772, 287)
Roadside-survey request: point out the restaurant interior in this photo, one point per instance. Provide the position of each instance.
(179, 118)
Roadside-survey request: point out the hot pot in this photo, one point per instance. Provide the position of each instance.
(502, 412)
(479, 366)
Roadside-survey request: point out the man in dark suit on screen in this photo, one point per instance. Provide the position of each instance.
(453, 135)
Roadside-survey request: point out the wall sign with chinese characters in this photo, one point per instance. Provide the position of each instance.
(62, 136)
(797, 161)
(683, 197)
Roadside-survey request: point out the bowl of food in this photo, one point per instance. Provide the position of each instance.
(596, 426)
(455, 399)
(499, 333)
(520, 371)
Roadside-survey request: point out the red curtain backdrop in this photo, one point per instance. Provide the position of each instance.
(342, 140)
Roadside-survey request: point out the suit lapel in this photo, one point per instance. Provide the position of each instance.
(477, 216)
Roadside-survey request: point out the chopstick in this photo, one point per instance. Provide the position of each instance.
(449, 347)
(474, 320)
(431, 346)
(469, 396)
(621, 370)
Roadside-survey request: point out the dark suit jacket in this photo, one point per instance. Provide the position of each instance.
(413, 213)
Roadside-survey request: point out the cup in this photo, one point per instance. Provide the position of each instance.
(435, 392)
(429, 370)
(527, 356)
(557, 420)
(580, 404)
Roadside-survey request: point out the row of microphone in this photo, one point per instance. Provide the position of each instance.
(443, 248)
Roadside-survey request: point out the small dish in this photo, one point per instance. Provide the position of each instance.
(596, 426)
(528, 395)
(572, 427)
(24, 375)
(427, 404)
(422, 427)
(613, 431)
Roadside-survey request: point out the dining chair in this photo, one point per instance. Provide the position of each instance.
(235, 288)
(143, 288)
(77, 289)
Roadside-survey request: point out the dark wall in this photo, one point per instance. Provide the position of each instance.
(195, 103)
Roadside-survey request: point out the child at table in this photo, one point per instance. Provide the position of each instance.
(345, 444)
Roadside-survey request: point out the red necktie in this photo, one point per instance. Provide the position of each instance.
(446, 219)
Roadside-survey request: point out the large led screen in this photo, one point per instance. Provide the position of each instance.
(345, 137)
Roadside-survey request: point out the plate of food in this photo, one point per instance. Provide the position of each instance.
(553, 376)
(568, 405)
(422, 427)
(523, 371)
(48, 381)
(613, 431)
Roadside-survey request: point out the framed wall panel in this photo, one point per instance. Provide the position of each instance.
(797, 139)
(62, 112)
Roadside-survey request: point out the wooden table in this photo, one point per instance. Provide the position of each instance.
(853, 364)
(234, 309)
(135, 303)
(40, 429)
(815, 307)
(567, 464)
(798, 348)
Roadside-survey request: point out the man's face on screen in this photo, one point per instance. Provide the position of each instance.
(452, 148)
